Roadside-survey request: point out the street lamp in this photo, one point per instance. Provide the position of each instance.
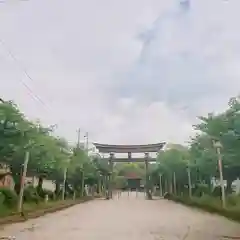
(218, 146)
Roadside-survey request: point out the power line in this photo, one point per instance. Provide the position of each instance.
(35, 96)
(32, 93)
(6, 2)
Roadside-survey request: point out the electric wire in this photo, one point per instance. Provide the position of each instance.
(23, 69)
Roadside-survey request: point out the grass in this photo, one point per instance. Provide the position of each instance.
(212, 204)
(32, 210)
(4, 211)
(27, 207)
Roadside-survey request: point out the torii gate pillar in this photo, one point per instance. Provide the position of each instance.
(148, 194)
(110, 194)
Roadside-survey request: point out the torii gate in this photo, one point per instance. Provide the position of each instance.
(129, 149)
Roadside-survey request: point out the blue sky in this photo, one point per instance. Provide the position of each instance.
(134, 71)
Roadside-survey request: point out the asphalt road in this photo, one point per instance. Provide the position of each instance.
(125, 218)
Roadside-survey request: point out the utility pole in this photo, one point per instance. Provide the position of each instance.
(221, 176)
(65, 175)
(189, 181)
(174, 183)
(24, 173)
(83, 175)
(64, 183)
(78, 138)
(218, 147)
(86, 136)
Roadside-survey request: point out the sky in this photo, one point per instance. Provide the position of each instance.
(126, 72)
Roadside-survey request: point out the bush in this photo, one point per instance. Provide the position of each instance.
(10, 197)
(30, 195)
(201, 189)
(2, 198)
(217, 191)
(233, 200)
(69, 195)
(51, 194)
(4, 211)
(40, 192)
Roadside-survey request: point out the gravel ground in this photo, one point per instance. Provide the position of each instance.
(125, 218)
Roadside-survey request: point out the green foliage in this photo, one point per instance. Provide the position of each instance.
(49, 155)
(120, 182)
(31, 195)
(212, 205)
(2, 198)
(200, 157)
(127, 169)
(217, 191)
(233, 200)
(10, 197)
(201, 189)
(18, 134)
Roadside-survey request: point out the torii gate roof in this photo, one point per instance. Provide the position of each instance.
(107, 148)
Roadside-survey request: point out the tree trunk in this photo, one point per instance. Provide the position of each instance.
(170, 186)
(229, 186)
(40, 187)
(166, 186)
(57, 188)
(40, 183)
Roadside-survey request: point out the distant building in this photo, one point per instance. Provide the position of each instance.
(47, 184)
(7, 181)
(235, 185)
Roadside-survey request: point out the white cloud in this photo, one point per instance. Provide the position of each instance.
(126, 71)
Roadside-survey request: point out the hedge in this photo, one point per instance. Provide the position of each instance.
(30, 195)
(8, 197)
(209, 204)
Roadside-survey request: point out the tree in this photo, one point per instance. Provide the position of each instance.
(224, 127)
(172, 165)
(128, 169)
(201, 157)
(49, 155)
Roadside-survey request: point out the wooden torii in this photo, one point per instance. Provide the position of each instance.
(129, 149)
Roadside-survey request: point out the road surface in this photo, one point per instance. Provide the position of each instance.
(126, 218)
